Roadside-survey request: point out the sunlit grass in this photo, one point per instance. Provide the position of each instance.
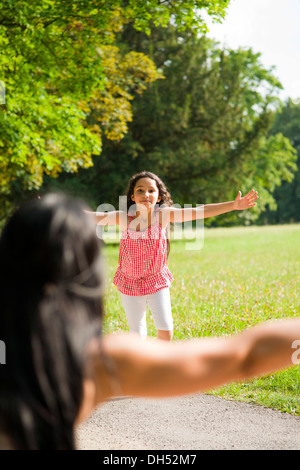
(241, 277)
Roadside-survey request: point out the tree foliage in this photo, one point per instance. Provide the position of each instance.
(287, 198)
(67, 82)
(203, 128)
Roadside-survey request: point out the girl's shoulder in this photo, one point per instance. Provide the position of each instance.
(126, 220)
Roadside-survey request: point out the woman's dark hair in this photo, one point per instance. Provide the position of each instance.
(51, 306)
(162, 189)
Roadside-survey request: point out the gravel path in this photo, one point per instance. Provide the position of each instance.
(195, 422)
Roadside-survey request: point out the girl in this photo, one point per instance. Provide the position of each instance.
(142, 276)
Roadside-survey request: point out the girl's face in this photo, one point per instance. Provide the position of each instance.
(146, 193)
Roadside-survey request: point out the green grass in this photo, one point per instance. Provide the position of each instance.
(241, 277)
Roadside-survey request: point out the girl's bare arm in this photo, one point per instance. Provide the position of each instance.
(173, 214)
(109, 218)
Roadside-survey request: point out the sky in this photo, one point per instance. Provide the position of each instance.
(271, 27)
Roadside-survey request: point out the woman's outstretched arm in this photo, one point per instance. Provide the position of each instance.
(153, 368)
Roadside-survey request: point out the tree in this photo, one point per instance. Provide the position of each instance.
(54, 65)
(203, 128)
(287, 198)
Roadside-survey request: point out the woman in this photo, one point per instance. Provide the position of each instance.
(59, 367)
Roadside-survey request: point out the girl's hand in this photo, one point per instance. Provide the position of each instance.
(241, 203)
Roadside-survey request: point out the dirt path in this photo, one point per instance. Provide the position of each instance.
(197, 422)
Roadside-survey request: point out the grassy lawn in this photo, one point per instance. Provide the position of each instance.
(240, 277)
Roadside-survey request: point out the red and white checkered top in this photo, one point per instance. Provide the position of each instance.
(142, 266)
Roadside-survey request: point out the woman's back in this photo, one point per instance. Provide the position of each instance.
(51, 294)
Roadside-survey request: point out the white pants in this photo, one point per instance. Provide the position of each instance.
(160, 306)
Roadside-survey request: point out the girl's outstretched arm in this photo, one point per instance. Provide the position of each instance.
(172, 214)
(109, 218)
(153, 368)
